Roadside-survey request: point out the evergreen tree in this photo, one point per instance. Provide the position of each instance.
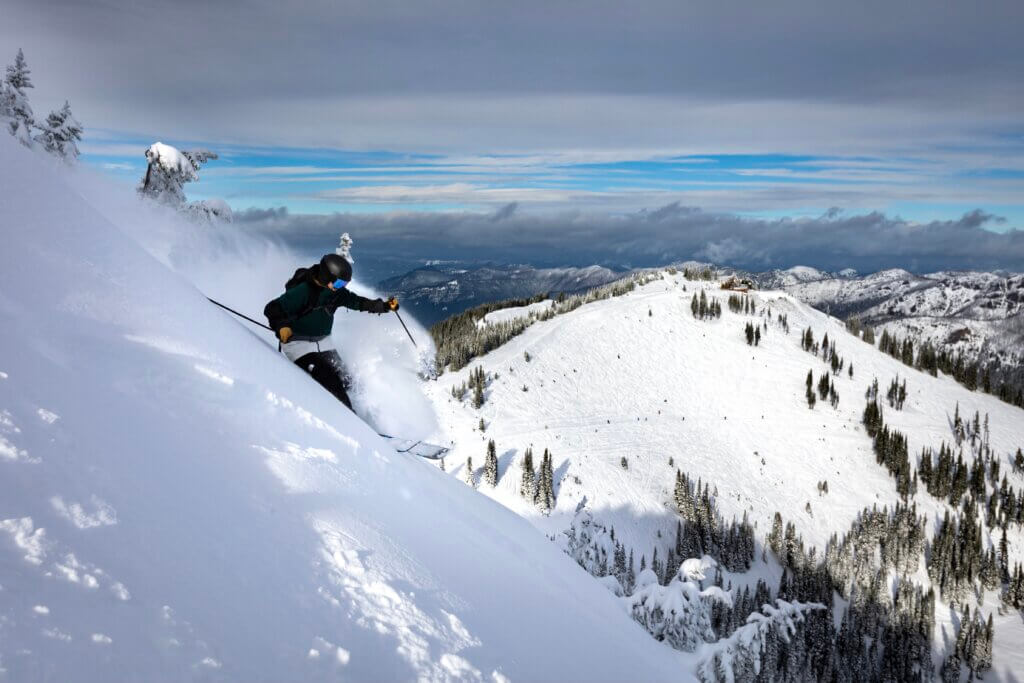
(775, 537)
(470, 478)
(491, 465)
(630, 575)
(811, 398)
(546, 486)
(14, 106)
(528, 484)
(168, 170)
(60, 133)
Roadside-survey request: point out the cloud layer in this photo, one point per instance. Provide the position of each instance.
(794, 75)
(866, 242)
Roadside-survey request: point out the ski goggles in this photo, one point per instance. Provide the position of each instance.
(339, 283)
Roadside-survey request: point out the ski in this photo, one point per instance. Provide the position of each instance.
(420, 448)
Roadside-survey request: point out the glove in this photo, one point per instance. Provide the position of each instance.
(284, 334)
(392, 304)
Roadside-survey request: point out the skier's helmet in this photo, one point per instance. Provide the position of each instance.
(334, 267)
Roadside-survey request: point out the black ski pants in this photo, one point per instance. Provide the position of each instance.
(327, 369)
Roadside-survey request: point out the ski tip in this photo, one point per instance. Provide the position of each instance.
(415, 447)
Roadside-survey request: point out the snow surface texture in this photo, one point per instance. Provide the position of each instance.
(611, 380)
(199, 509)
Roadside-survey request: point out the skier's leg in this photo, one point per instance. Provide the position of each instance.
(327, 369)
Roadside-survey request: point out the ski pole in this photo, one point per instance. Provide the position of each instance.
(231, 310)
(407, 330)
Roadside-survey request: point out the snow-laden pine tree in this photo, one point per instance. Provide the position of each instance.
(344, 249)
(167, 171)
(491, 465)
(528, 484)
(546, 485)
(60, 133)
(741, 656)
(678, 613)
(470, 478)
(14, 107)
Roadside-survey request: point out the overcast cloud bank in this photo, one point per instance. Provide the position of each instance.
(835, 240)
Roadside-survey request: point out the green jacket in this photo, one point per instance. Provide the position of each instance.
(287, 309)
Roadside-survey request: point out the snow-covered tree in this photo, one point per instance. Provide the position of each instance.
(678, 613)
(740, 656)
(14, 107)
(470, 479)
(589, 542)
(344, 249)
(491, 465)
(528, 484)
(167, 171)
(210, 210)
(546, 485)
(60, 133)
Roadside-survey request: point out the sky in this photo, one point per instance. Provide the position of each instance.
(768, 120)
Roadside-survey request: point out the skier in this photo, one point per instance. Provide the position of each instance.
(302, 318)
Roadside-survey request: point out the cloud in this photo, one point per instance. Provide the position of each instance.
(504, 212)
(260, 215)
(450, 75)
(866, 242)
(670, 211)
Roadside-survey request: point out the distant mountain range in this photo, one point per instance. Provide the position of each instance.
(979, 314)
(435, 292)
(898, 294)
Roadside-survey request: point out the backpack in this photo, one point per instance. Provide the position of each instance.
(305, 275)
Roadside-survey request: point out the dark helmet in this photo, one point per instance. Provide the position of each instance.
(334, 267)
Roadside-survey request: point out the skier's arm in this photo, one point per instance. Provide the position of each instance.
(281, 311)
(345, 298)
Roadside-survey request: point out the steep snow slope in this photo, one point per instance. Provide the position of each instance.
(177, 502)
(638, 377)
